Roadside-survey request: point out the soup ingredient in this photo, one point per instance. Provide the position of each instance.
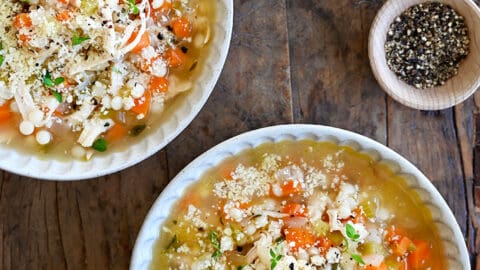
(299, 205)
(71, 71)
(426, 44)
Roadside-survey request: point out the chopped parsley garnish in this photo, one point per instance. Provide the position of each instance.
(1, 56)
(57, 96)
(275, 257)
(133, 8)
(216, 244)
(351, 233)
(49, 82)
(77, 40)
(357, 258)
(100, 145)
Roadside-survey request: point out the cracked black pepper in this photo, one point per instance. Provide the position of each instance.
(426, 44)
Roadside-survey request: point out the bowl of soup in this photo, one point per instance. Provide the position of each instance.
(300, 197)
(89, 87)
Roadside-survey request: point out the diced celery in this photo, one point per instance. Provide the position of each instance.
(89, 7)
(321, 227)
(370, 248)
(336, 237)
(369, 207)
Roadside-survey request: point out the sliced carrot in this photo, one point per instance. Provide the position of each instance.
(5, 113)
(403, 246)
(295, 209)
(324, 243)
(24, 38)
(175, 57)
(22, 20)
(299, 238)
(382, 266)
(393, 234)
(144, 41)
(158, 84)
(418, 257)
(64, 15)
(142, 105)
(115, 133)
(291, 187)
(182, 27)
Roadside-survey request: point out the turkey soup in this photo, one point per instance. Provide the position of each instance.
(299, 205)
(78, 77)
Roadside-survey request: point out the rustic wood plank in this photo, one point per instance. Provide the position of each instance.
(429, 140)
(467, 123)
(254, 89)
(77, 225)
(331, 79)
(104, 215)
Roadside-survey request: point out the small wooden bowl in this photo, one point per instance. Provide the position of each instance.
(456, 89)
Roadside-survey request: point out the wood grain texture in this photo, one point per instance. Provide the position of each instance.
(254, 88)
(331, 78)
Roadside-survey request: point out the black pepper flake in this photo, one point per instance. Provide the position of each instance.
(169, 28)
(160, 36)
(426, 44)
(239, 248)
(184, 49)
(291, 266)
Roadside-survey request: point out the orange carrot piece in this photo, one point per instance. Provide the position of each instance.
(144, 41)
(291, 187)
(301, 238)
(403, 246)
(22, 20)
(324, 243)
(115, 133)
(182, 27)
(142, 105)
(64, 15)
(295, 209)
(418, 257)
(158, 84)
(175, 57)
(5, 113)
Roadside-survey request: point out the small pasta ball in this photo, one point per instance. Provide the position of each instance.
(116, 103)
(78, 152)
(35, 116)
(26, 128)
(43, 137)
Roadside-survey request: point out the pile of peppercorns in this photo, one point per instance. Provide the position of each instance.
(426, 44)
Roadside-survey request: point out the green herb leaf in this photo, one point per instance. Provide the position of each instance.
(133, 8)
(77, 40)
(49, 82)
(216, 244)
(240, 267)
(173, 242)
(57, 96)
(357, 258)
(1, 59)
(100, 145)
(216, 254)
(351, 233)
(275, 257)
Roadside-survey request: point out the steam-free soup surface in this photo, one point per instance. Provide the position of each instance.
(82, 77)
(299, 205)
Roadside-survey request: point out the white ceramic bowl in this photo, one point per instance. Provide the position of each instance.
(449, 230)
(182, 111)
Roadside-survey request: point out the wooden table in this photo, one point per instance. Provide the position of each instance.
(293, 61)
